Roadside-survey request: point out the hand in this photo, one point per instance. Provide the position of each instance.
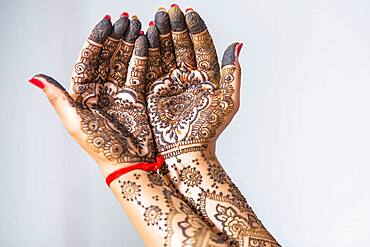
(105, 108)
(192, 101)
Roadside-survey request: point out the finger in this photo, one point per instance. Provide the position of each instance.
(109, 47)
(205, 51)
(137, 69)
(121, 57)
(62, 102)
(154, 69)
(231, 72)
(162, 22)
(84, 70)
(181, 39)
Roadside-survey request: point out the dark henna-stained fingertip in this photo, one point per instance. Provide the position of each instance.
(229, 55)
(101, 30)
(177, 19)
(162, 21)
(120, 26)
(133, 30)
(152, 35)
(194, 22)
(141, 46)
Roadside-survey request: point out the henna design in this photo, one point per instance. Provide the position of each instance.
(133, 30)
(190, 176)
(152, 215)
(184, 51)
(154, 68)
(162, 22)
(130, 190)
(119, 63)
(206, 56)
(120, 27)
(185, 109)
(167, 52)
(216, 200)
(165, 212)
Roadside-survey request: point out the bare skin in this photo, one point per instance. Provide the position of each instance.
(134, 96)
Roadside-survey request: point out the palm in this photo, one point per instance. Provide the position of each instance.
(109, 97)
(186, 109)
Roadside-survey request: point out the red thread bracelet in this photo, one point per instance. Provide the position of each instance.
(139, 166)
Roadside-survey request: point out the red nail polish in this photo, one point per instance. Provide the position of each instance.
(174, 5)
(240, 46)
(188, 10)
(107, 17)
(141, 32)
(37, 83)
(125, 14)
(151, 24)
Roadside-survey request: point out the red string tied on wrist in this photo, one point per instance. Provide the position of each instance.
(139, 166)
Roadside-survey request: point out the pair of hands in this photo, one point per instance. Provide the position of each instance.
(134, 96)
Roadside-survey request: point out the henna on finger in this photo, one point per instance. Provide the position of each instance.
(154, 69)
(109, 47)
(205, 51)
(121, 57)
(82, 87)
(137, 69)
(162, 22)
(184, 51)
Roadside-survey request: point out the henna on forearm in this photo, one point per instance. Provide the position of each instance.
(211, 193)
(159, 212)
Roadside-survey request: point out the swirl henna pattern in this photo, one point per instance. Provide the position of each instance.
(108, 95)
(186, 109)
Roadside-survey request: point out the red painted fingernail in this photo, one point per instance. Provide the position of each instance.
(151, 24)
(37, 83)
(107, 17)
(125, 14)
(189, 9)
(141, 32)
(174, 5)
(240, 46)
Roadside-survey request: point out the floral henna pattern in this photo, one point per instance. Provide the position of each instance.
(185, 109)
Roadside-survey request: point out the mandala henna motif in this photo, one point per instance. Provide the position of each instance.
(185, 109)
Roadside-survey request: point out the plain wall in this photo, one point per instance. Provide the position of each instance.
(298, 148)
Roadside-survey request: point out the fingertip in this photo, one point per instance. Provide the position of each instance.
(102, 30)
(162, 21)
(141, 46)
(152, 35)
(177, 19)
(231, 54)
(120, 26)
(133, 30)
(194, 22)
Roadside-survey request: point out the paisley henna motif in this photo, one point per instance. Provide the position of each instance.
(185, 109)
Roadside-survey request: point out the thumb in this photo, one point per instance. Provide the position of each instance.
(231, 71)
(59, 98)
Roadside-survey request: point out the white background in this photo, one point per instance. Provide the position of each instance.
(298, 148)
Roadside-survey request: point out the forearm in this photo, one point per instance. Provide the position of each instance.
(209, 190)
(161, 217)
